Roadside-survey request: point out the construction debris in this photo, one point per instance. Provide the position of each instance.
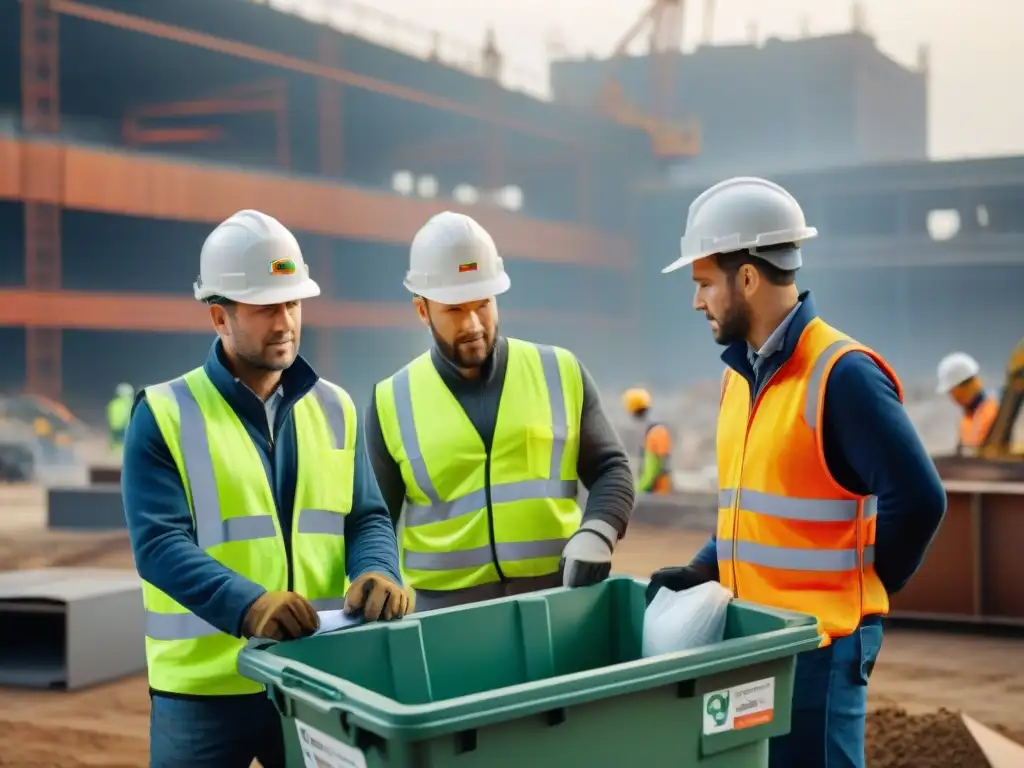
(896, 739)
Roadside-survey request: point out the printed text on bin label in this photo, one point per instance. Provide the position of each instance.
(322, 751)
(742, 706)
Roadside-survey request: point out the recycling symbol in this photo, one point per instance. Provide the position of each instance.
(718, 708)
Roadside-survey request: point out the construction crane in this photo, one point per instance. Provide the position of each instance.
(664, 21)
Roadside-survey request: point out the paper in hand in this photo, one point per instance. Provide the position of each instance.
(331, 621)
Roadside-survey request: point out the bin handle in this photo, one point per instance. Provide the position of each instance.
(274, 672)
(299, 680)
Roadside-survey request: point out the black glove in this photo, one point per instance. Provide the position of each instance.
(678, 578)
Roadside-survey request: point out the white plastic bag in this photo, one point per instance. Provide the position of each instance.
(679, 621)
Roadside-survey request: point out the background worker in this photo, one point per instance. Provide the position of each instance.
(485, 438)
(119, 411)
(959, 379)
(249, 499)
(656, 446)
(828, 500)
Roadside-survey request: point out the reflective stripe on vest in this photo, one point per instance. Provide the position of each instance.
(210, 526)
(228, 492)
(449, 541)
(803, 549)
(524, 490)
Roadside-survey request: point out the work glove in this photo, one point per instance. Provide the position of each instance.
(587, 557)
(378, 597)
(678, 578)
(280, 616)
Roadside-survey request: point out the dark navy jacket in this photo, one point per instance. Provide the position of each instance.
(870, 448)
(160, 524)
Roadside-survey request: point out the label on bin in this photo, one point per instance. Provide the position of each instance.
(742, 706)
(322, 751)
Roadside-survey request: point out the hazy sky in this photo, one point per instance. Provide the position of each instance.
(977, 67)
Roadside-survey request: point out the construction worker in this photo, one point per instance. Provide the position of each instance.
(828, 500)
(485, 439)
(119, 411)
(250, 503)
(656, 447)
(958, 378)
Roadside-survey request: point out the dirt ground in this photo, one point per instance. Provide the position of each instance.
(106, 727)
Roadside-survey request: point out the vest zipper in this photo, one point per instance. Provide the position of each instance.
(288, 550)
(739, 485)
(490, 516)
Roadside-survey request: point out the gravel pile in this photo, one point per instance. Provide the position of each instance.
(896, 739)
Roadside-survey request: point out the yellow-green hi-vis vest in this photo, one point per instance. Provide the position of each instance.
(235, 520)
(450, 539)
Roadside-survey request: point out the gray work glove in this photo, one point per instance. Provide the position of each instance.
(587, 557)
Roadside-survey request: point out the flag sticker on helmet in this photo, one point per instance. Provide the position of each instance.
(282, 267)
(467, 267)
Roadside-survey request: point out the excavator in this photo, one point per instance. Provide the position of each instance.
(999, 458)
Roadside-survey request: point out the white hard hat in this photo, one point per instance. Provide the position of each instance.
(743, 214)
(954, 369)
(252, 258)
(125, 390)
(453, 261)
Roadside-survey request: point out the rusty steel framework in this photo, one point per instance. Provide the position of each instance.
(664, 20)
(332, 164)
(43, 183)
(160, 123)
(40, 94)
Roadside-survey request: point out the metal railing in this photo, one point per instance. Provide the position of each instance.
(412, 39)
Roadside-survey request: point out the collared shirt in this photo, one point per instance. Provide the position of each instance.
(775, 342)
(271, 406)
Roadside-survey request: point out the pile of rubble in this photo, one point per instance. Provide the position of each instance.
(896, 739)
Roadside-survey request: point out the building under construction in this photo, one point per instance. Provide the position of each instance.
(129, 129)
(127, 137)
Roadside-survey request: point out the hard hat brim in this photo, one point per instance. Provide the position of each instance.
(683, 261)
(734, 244)
(307, 289)
(465, 293)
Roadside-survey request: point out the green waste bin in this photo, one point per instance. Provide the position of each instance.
(547, 679)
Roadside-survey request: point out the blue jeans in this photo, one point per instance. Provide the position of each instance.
(830, 702)
(215, 732)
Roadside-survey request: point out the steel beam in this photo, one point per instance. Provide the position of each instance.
(40, 94)
(331, 159)
(263, 96)
(271, 58)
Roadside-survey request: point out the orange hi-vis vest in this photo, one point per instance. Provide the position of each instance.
(975, 426)
(789, 536)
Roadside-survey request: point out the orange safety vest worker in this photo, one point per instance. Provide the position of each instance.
(789, 535)
(977, 422)
(657, 456)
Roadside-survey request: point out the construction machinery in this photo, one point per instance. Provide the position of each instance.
(669, 139)
(1000, 458)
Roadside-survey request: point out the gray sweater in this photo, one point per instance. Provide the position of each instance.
(602, 466)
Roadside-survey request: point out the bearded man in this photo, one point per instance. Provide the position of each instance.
(827, 498)
(485, 439)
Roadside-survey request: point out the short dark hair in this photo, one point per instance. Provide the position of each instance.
(730, 263)
(228, 304)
